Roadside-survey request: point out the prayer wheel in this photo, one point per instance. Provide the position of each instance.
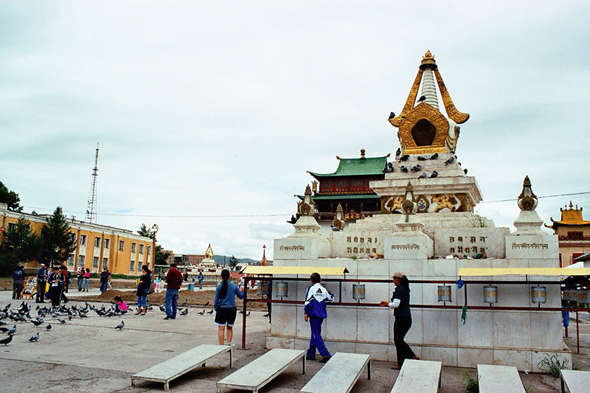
(538, 294)
(490, 294)
(282, 289)
(444, 293)
(358, 291)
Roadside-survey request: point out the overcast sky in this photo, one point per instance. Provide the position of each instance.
(206, 110)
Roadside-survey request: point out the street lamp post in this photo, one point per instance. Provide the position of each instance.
(154, 231)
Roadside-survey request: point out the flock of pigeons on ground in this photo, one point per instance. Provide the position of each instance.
(62, 315)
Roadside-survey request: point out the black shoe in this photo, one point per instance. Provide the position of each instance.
(309, 357)
(325, 359)
(168, 317)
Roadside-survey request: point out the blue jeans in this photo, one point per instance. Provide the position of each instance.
(316, 340)
(85, 284)
(103, 287)
(171, 302)
(200, 284)
(142, 301)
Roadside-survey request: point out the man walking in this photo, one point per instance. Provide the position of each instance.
(18, 280)
(173, 283)
(41, 283)
(315, 313)
(201, 277)
(104, 280)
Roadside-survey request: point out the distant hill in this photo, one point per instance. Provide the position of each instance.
(225, 258)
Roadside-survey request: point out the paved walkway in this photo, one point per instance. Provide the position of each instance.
(89, 355)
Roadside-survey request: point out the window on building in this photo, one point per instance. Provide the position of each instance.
(95, 263)
(71, 260)
(133, 246)
(107, 243)
(139, 267)
(97, 242)
(81, 261)
(11, 226)
(105, 263)
(141, 248)
(132, 266)
(149, 250)
(121, 245)
(575, 234)
(82, 240)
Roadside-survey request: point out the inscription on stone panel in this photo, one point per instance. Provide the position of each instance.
(470, 247)
(292, 248)
(412, 246)
(530, 245)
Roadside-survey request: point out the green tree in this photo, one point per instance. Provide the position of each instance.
(19, 245)
(161, 255)
(57, 242)
(11, 198)
(145, 231)
(233, 262)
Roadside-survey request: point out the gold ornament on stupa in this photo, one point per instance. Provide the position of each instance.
(423, 129)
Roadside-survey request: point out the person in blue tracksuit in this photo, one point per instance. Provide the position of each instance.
(315, 313)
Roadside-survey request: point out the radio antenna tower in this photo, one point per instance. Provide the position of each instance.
(91, 211)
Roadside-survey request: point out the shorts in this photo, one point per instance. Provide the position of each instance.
(225, 316)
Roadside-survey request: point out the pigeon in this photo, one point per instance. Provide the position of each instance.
(202, 312)
(416, 168)
(210, 312)
(185, 302)
(404, 157)
(248, 314)
(3, 329)
(37, 322)
(82, 315)
(2, 323)
(34, 337)
(465, 170)
(450, 161)
(162, 308)
(265, 316)
(293, 220)
(12, 330)
(48, 327)
(62, 321)
(120, 326)
(420, 158)
(403, 169)
(434, 174)
(422, 98)
(423, 175)
(398, 152)
(434, 156)
(6, 340)
(391, 115)
(184, 312)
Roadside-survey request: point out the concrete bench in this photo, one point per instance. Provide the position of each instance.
(173, 368)
(418, 376)
(575, 381)
(262, 370)
(499, 379)
(339, 374)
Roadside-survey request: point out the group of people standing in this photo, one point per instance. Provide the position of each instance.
(58, 278)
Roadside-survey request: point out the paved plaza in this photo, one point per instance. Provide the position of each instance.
(89, 355)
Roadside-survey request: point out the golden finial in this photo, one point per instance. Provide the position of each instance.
(428, 58)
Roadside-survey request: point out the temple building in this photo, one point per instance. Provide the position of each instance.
(349, 187)
(436, 239)
(573, 233)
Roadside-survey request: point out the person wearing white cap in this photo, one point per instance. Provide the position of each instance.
(400, 302)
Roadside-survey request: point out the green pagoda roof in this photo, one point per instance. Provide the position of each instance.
(356, 167)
